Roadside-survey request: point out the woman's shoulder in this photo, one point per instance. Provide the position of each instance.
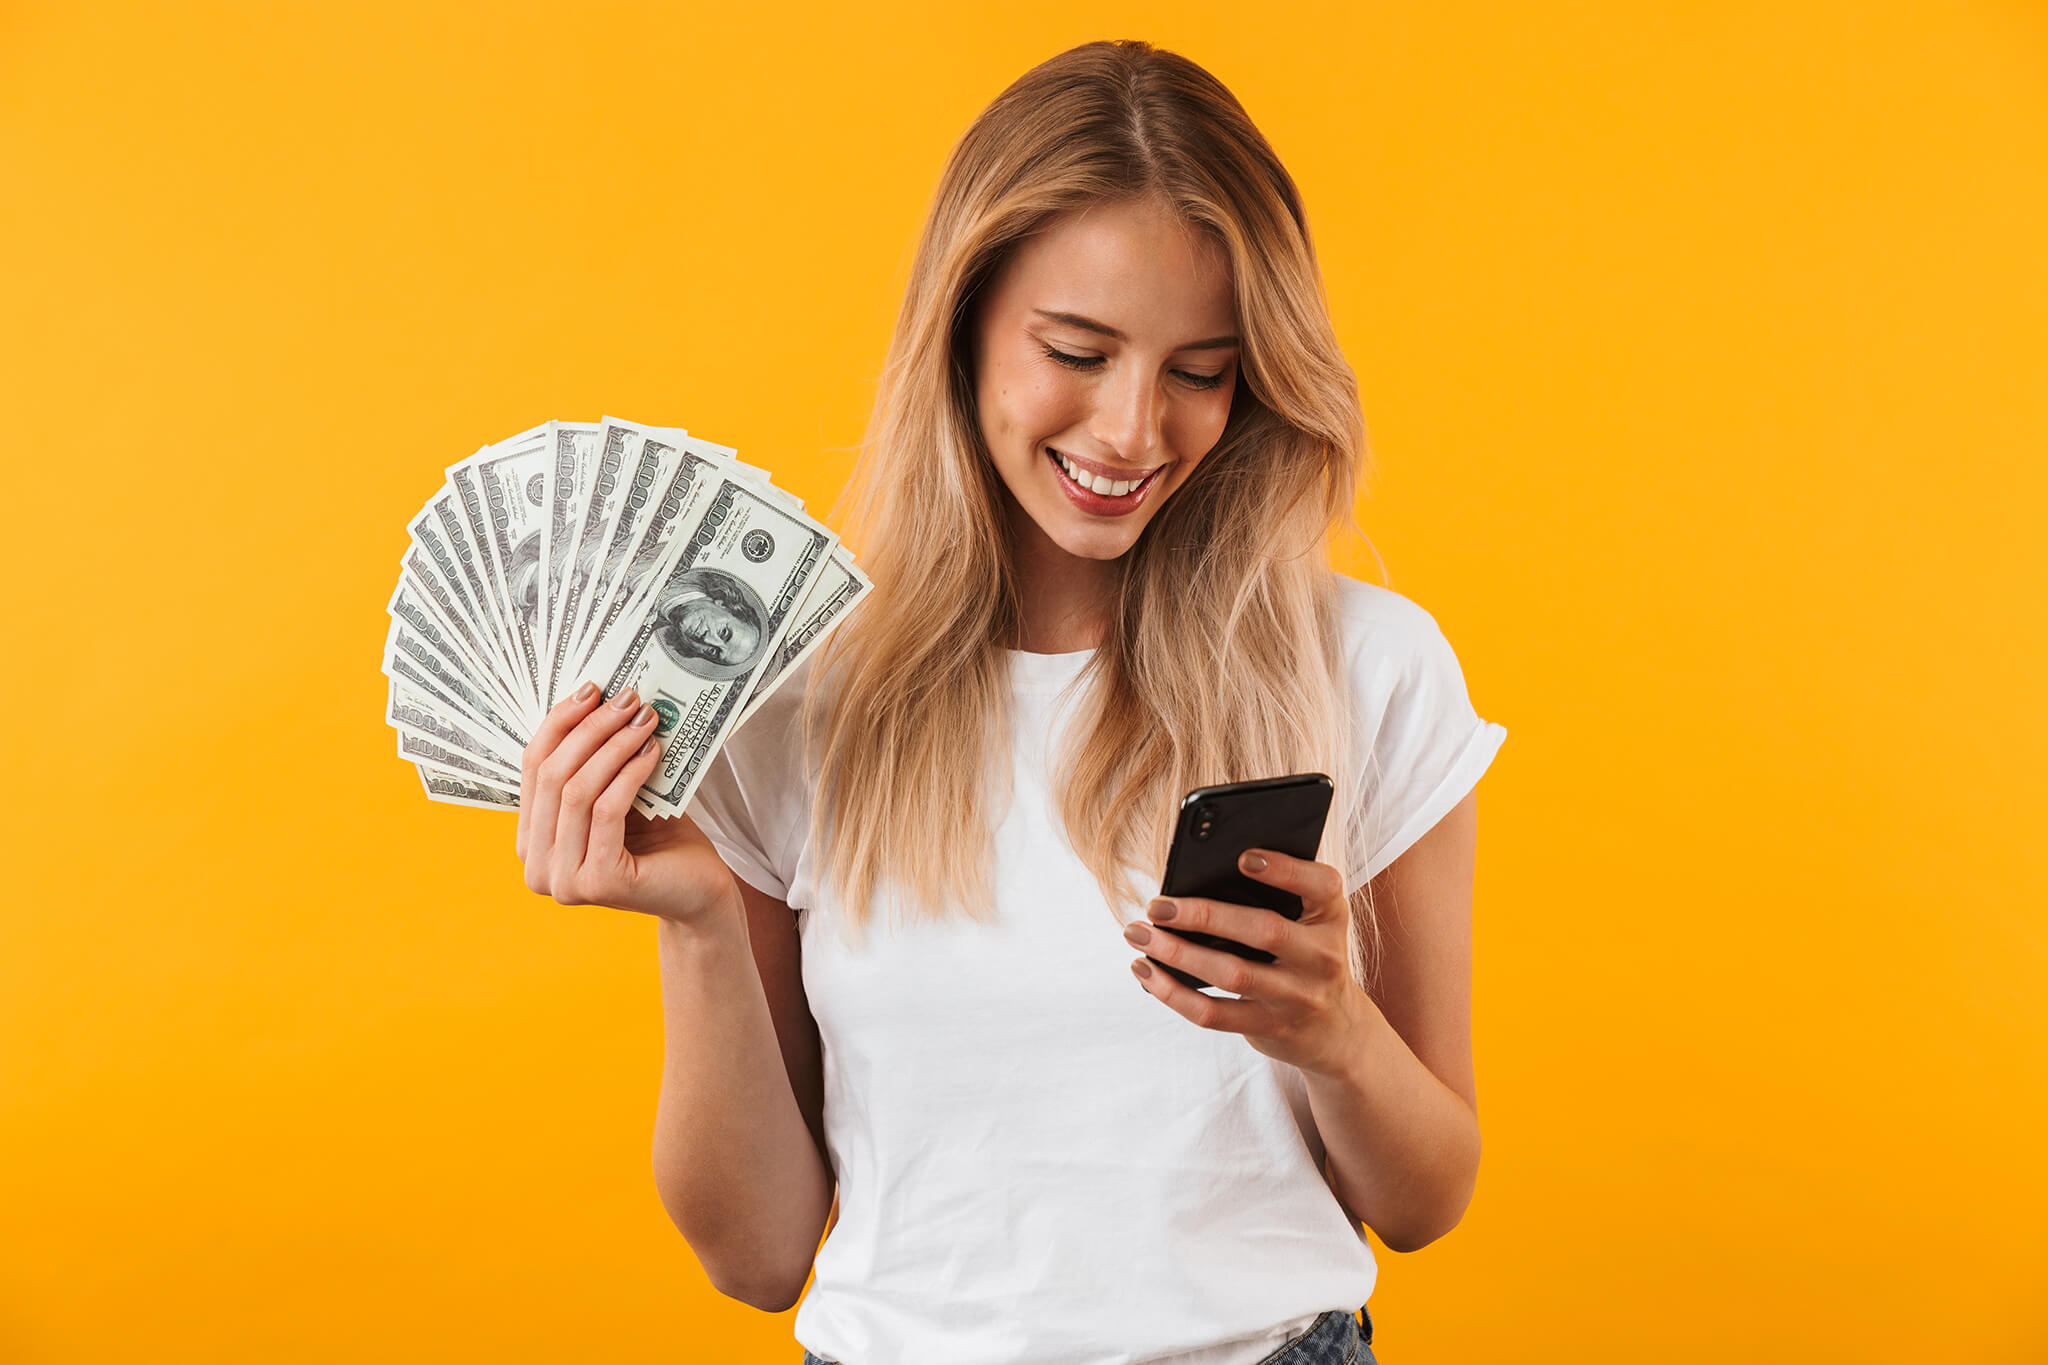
(1378, 620)
(784, 698)
(770, 737)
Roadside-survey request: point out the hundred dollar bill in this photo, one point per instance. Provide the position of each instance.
(495, 622)
(600, 509)
(761, 477)
(417, 748)
(457, 790)
(694, 470)
(714, 619)
(412, 710)
(408, 656)
(430, 537)
(571, 465)
(418, 573)
(421, 608)
(838, 588)
(650, 457)
(444, 532)
(509, 485)
(466, 496)
(650, 460)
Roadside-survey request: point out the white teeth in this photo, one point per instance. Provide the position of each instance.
(1114, 488)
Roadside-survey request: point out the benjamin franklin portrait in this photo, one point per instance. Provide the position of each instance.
(711, 623)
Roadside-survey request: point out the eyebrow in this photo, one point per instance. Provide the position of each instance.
(1091, 325)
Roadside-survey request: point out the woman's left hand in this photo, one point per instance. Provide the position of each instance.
(1303, 1007)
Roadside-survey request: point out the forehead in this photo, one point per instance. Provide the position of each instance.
(1130, 264)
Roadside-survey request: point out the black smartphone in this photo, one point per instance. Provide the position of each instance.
(1219, 823)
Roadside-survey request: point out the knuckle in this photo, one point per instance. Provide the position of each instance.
(592, 891)
(1276, 933)
(536, 881)
(579, 791)
(1235, 976)
(611, 805)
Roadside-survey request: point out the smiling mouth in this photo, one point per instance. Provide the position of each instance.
(1095, 485)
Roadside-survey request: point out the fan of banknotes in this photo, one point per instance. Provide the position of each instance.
(628, 555)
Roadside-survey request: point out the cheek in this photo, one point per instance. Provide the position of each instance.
(1023, 402)
(1198, 424)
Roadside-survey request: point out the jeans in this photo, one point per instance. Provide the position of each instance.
(1335, 1338)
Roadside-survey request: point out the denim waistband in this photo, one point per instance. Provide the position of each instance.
(1335, 1338)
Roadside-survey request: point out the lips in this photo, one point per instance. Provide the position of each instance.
(1100, 504)
(1083, 472)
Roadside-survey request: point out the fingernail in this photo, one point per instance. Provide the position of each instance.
(642, 716)
(1161, 910)
(1137, 933)
(586, 692)
(645, 749)
(1142, 968)
(1254, 863)
(625, 699)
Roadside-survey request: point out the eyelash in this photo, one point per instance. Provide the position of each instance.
(1089, 362)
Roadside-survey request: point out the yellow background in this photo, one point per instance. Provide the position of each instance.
(1702, 348)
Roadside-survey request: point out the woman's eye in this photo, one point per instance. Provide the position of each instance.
(1090, 362)
(1072, 362)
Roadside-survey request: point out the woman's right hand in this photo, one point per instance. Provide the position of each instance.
(579, 836)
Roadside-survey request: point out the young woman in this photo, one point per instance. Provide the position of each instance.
(1114, 433)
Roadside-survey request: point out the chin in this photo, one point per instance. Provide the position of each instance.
(1085, 542)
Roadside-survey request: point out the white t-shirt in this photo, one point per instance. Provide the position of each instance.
(1038, 1161)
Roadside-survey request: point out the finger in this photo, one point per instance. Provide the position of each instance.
(565, 715)
(1218, 967)
(1230, 1016)
(567, 792)
(1320, 886)
(573, 841)
(608, 815)
(1252, 925)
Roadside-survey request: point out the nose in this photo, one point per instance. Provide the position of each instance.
(1130, 418)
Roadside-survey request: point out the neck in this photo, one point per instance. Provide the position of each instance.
(1063, 599)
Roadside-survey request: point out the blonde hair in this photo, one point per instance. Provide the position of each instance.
(1223, 659)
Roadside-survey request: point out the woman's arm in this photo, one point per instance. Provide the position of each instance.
(1401, 1124)
(737, 1140)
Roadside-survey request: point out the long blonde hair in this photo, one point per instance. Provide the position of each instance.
(1223, 658)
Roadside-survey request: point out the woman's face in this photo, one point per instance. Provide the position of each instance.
(1140, 408)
